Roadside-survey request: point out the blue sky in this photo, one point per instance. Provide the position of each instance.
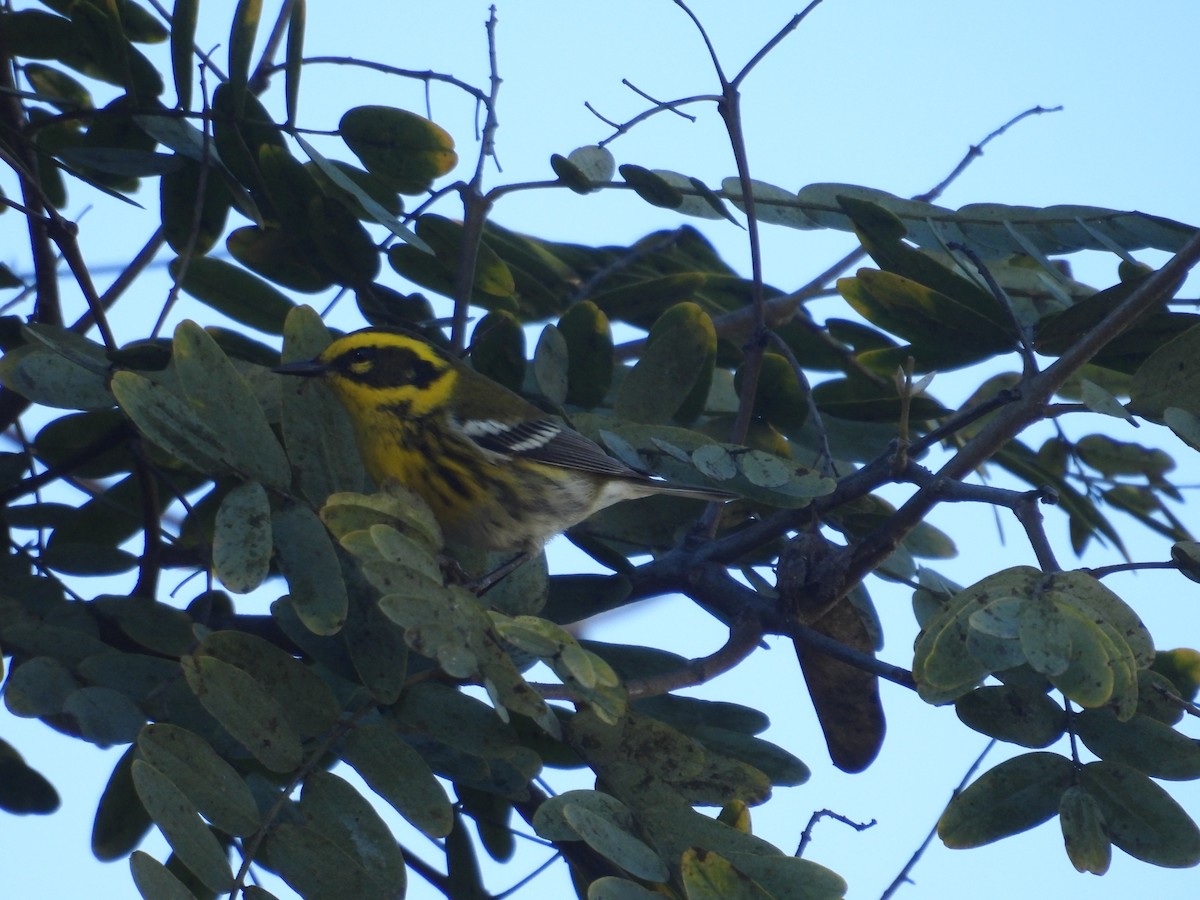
(871, 92)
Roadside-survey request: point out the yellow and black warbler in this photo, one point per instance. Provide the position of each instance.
(497, 472)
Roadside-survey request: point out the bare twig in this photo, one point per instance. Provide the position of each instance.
(806, 834)
(1014, 418)
(781, 309)
(774, 42)
(476, 204)
(668, 107)
(425, 75)
(620, 128)
(976, 151)
(1105, 571)
(902, 877)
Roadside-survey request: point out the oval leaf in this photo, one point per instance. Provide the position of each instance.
(246, 711)
(403, 149)
(180, 823)
(241, 550)
(398, 774)
(1013, 797)
(1140, 817)
(207, 780)
(311, 566)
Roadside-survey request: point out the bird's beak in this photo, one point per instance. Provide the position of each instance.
(308, 368)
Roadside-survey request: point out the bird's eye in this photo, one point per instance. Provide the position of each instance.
(360, 355)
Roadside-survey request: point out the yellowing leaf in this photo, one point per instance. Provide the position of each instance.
(403, 149)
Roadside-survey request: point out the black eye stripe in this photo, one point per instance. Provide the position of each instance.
(387, 367)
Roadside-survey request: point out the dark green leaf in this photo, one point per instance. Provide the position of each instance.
(308, 702)
(45, 377)
(318, 868)
(1013, 797)
(709, 876)
(343, 245)
(671, 379)
(294, 60)
(155, 881)
(38, 687)
(286, 257)
(1140, 817)
(121, 819)
(241, 550)
(58, 88)
(241, 128)
(103, 716)
(375, 197)
(180, 824)
(307, 558)
(498, 349)
(345, 817)
(589, 353)
(23, 790)
(406, 150)
(317, 432)
(865, 401)
(241, 43)
(169, 421)
(1083, 831)
(91, 441)
(246, 710)
(207, 780)
(223, 400)
(396, 772)
(1142, 743)
(1019, 715)
(195, 218)
(1169, 378)
(183, 36)
(615, 842)
(944, 333)
(651, 187)
(550, 365)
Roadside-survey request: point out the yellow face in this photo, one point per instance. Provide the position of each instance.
(379, 372)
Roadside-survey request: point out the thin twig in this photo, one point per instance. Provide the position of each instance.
(425, 75)
(712, 52)
(1024, 343)
(774, 42)
(476, 204)
(976, 151)
(806, 834)
(961, 419)
(658, 103)
(863, 557)
(902, 877)
(620, 128)
(1105, 571)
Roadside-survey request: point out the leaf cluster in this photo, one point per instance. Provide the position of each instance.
(377, 654)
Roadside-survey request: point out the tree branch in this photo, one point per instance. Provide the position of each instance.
(1008, 422)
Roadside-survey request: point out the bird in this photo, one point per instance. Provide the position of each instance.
(497, 472)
